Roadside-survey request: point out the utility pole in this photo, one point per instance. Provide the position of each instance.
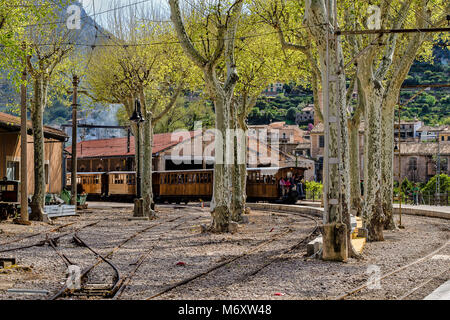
(74, 142)
(23, 144)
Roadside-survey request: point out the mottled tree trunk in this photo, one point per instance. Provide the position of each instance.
(39, 101)
(372, 94)
(355, 178)
(240, 167)
(147, 190)
(387, 161)
(337, 183)
(223, 182)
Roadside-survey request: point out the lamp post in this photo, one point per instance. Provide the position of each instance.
(137, 118)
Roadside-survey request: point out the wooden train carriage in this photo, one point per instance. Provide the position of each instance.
(91, 183)
(121, 184)
(263, 183)
(183, 186)
(88, 182)
(193, 185)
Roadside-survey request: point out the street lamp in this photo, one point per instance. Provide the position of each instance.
(137, 118)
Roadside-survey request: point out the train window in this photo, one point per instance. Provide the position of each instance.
(118, 179)
(131, 179)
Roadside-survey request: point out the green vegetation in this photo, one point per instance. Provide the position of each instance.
(313, 190)
(432, 106)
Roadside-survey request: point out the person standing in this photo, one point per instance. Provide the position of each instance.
(282, 186)
(415, 192)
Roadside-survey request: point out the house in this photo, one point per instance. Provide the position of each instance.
(274, 88)
(306, 115)
(419, 160)
(286, 136)
(10, 151)
(409, 130)
(427, 133)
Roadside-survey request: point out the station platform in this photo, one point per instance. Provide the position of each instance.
(424, 210)
(441, 293)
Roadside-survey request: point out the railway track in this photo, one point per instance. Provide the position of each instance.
(36, 234)
(394, 272)
(53, 239)
(118, 282)
(143, 257)
(257, 247)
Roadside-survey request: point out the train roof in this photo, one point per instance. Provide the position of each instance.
(265, 169)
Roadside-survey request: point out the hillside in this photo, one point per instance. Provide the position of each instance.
(57, 112)
(432, 107)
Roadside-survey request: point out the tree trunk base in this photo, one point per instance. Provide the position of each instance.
(335, 242)
(221, 220)
(389, 223)
(375, 231)
(37, 212)
(22, 222)
(138, 208)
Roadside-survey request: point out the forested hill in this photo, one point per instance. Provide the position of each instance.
(432, 107)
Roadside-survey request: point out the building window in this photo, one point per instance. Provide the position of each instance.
(321, 141)
(412, 164)
(12, 170)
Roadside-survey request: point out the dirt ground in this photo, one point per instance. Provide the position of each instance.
(173, 248)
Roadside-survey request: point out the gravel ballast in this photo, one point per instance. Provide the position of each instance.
(176, 249)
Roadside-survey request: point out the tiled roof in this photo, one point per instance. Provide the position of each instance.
(117, 147)
(433, 129)
(319, 128)
(425, 148)
(12, 122)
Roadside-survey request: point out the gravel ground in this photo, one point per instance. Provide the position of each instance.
(176, 249)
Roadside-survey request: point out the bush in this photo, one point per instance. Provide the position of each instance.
(314, 189)
(444, 184)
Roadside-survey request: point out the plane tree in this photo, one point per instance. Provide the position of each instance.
(207, 33)
(140, 62)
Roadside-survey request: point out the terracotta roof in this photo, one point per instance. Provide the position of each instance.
(117, 147)
(12, 122)
(433, 129)
(425, 148)
(319, 128)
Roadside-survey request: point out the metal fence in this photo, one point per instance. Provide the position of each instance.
(426, 198)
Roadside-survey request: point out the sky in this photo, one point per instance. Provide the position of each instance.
(104, 5)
